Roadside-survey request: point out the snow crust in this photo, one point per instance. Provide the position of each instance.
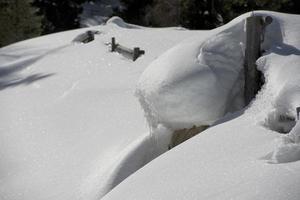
(244, 154)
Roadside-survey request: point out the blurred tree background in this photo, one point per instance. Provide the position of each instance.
(59, 15)
(22, 19)
(199, 14)
(18, 21)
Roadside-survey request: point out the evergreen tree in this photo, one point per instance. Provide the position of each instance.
(200, 14)
(290, 6)
(234, 8)
(192, 14)
(134, 11)
(18, 21)
(59, 15)
(163, 13)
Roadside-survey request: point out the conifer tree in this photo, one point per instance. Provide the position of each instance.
(134, 11)
(59, 15)
(200, 14)
(163, 13)
(18, 21)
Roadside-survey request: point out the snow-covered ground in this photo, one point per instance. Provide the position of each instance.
(243, 155)
(71, 127)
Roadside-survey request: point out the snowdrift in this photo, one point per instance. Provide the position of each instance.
(71, 127)
(196, 82)
(244, 154)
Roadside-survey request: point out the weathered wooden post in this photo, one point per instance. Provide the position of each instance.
(255, 26)
(136, 53)
(127, 52)
(113, 44)
(298, 111)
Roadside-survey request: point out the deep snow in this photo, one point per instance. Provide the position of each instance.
(196, 82)
(71, 127)
(243, 155)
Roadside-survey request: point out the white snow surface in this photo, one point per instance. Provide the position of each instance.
(243, 155)
(71, 127)
(196, 82)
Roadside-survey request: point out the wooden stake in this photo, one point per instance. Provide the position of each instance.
(113, 44)
(254, 30)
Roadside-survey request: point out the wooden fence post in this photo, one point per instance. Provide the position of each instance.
(255, 26)
(127, 52)
(298, 111)
(113, 44)
(136, 53)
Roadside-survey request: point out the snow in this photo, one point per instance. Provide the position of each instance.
(71, 127)
(196, 82)
(243, 155)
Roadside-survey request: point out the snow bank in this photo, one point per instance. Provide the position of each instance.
(244, 155)
(196, 82)
(284, 96)
(71, 127)
(117, 21)
(280, 66)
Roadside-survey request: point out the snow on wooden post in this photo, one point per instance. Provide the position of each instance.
(255, 26)
(137, 53)
(86, 37)
(129, 53)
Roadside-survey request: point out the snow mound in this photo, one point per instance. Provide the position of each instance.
(196, 82)
(280, 66)
(287, 151)
(288, 147)
(133, 157)
(117, 21)
(224, 162)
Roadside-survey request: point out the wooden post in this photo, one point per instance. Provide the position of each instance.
(255, 26)
(253, 39)
(113, 44)
(129, 53)
(298, 111)
(136, 53)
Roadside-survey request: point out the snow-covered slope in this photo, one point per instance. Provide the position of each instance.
(71, 127)
(243, 155)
